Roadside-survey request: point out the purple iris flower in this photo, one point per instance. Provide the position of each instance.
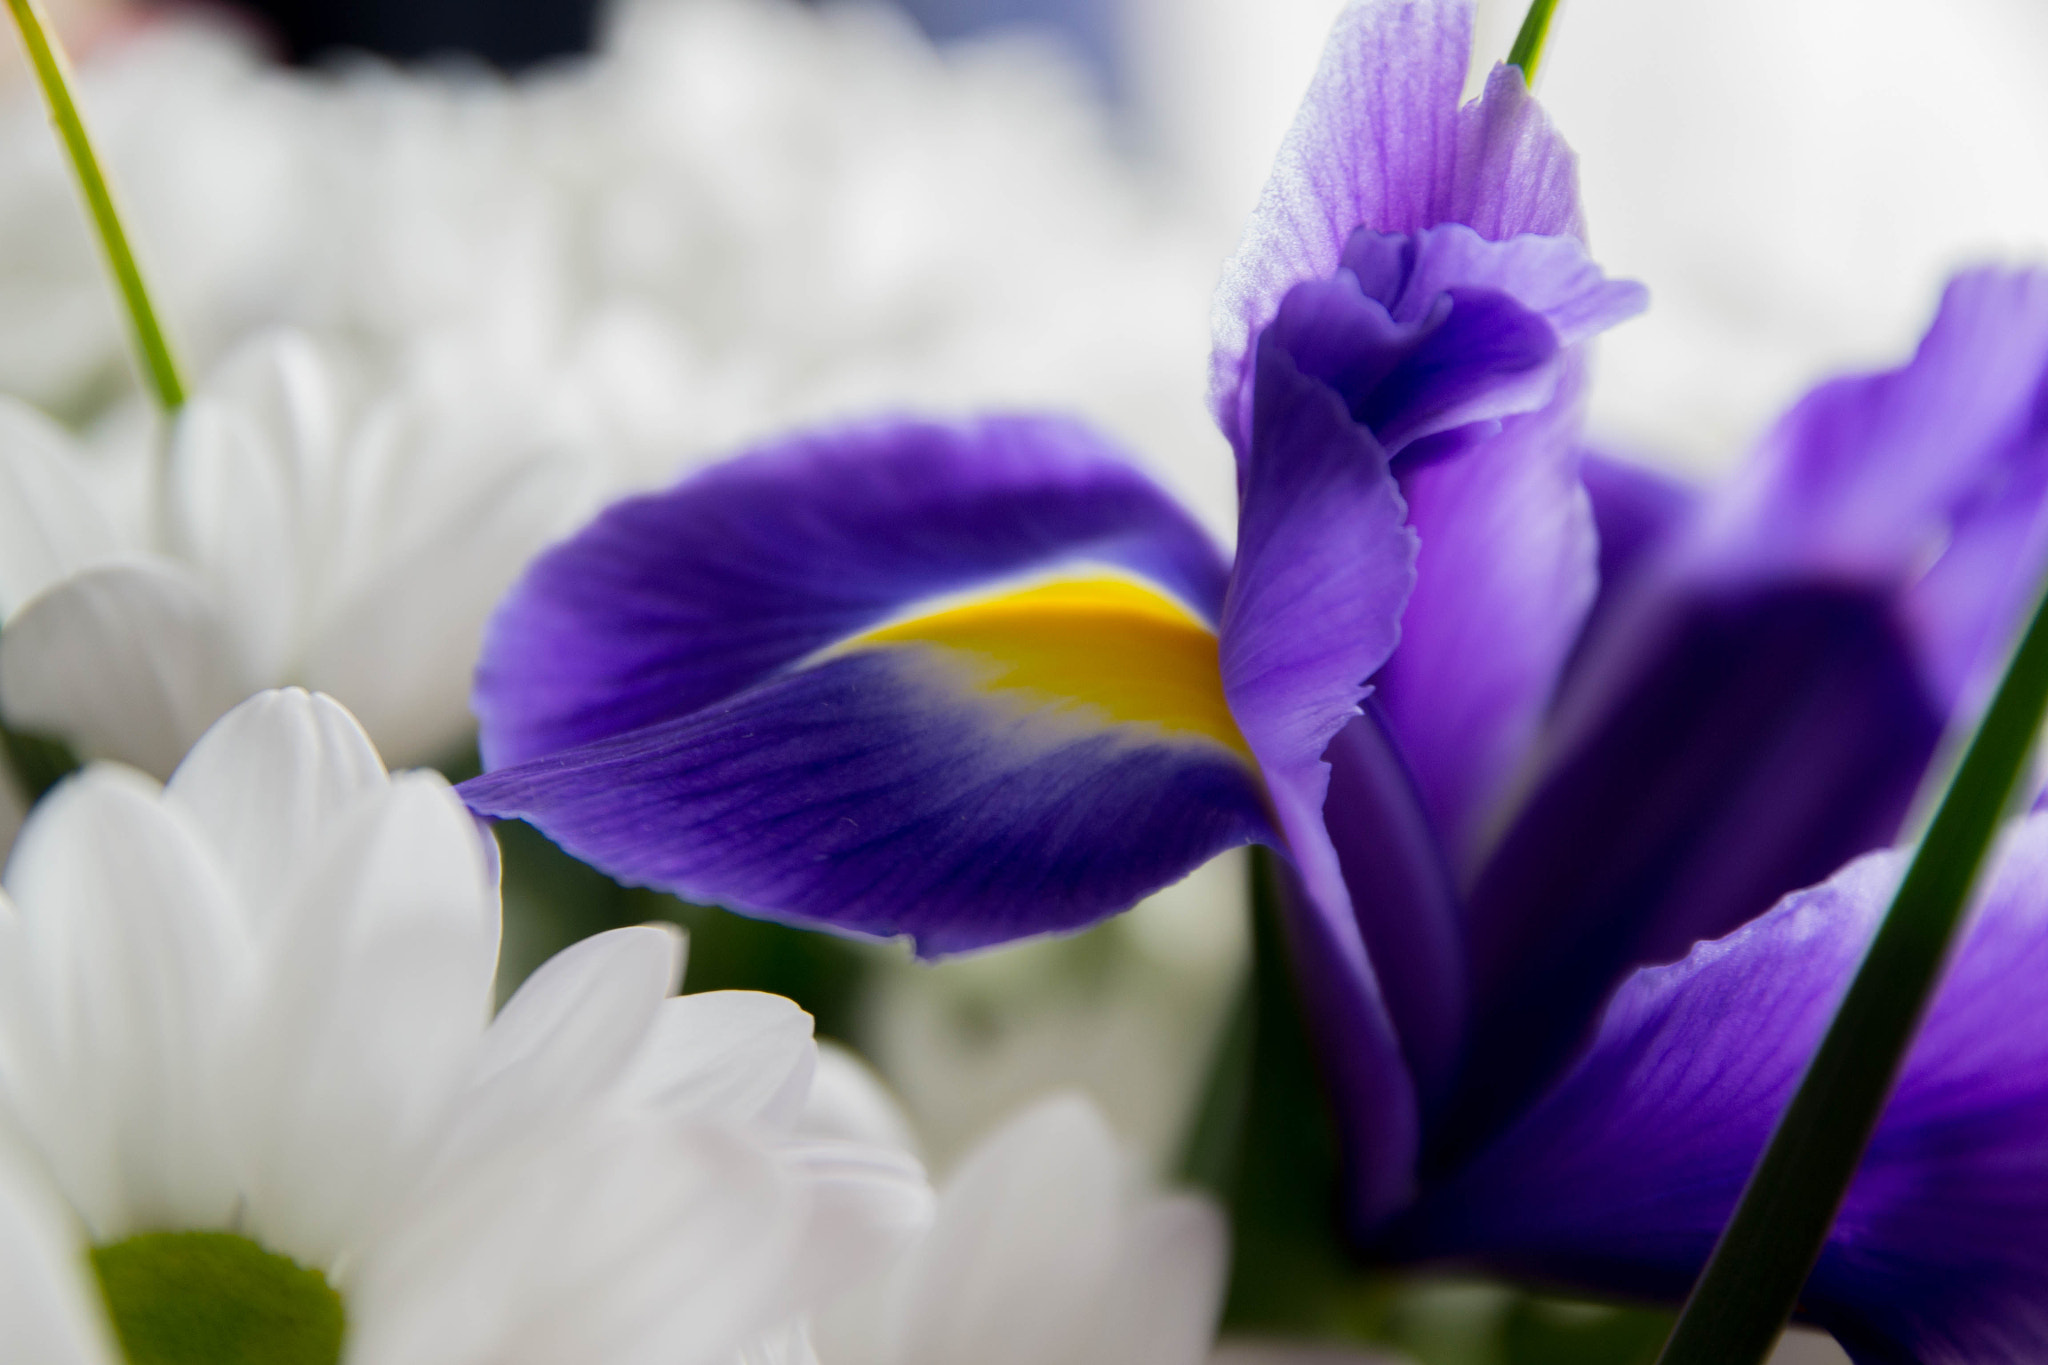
(1522, 723)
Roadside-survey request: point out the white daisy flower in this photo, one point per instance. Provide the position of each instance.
(291, 532)
(249, 1082)
(1049, 1246)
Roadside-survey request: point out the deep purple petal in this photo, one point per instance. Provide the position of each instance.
(1639, 513)
(1713, 755)
(669, 602)
(870, 794)
(1402, 892)
(1929, 474)
(1324, 567)
(1623, 1175)
(1475, 357)
(1504, 579)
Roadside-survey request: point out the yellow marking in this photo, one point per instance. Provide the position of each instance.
(1100, 651)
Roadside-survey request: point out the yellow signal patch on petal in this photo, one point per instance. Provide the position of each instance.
(1097, 651)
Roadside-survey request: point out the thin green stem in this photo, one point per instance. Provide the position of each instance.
(1535, 31)
(159, 367)
(1752, 1283)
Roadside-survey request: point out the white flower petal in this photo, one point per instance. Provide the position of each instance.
(789, 1344)
(1160, 1305)
(141, 964)
(1027, 1232)
(403, 645)
(251, 461)
(867, 1205)
(737, 1056)
(267, 784)
(376, 992)
(129, 661)
(50, 1310)
(847, 1100)
(566, 1036)
(50, 527)
(634, 1244)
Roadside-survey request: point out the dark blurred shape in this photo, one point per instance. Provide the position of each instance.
(511, 34)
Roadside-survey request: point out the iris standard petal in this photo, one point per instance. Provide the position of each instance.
(950, 681)
(1476, 357)
(1324, 567)
(1623, 1175)
(1380, 144)
(1372, 145)
(1740, 746)
(1504, 580)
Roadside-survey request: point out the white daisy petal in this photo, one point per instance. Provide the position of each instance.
(848, 1101)
(131, 661)
(1160, 1305)
(868, 1204)
(50, 526)
(375, 994)
(267, 783)
(726, 1055)
(140, 965)
(403, 656)
(50, 1310)
(566, 1036)
(630, 1243)
(1026, 1232)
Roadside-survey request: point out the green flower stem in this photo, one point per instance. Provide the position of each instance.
(159, 367)
(1535, 30)
(1751, 1285)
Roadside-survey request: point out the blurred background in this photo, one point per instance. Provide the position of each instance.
(655, 230)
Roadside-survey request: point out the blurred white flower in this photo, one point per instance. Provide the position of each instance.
(245, 1017)
(738, 216)
(1127, 1012)
(293, 531)
(1049, 1246)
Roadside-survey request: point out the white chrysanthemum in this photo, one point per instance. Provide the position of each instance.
(245, 1019)
(291, 532)
(738, 215)
(1048, 1247)
(1126, 1013)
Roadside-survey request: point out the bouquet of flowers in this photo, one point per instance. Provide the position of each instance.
(1642, 881)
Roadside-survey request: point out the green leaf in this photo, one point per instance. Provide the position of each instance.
(1752, 1282)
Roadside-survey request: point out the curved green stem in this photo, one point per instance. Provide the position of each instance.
(159, 367)
(1752, 1282)
(1535, 30)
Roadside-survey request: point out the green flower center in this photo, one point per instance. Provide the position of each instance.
(212, 1298)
